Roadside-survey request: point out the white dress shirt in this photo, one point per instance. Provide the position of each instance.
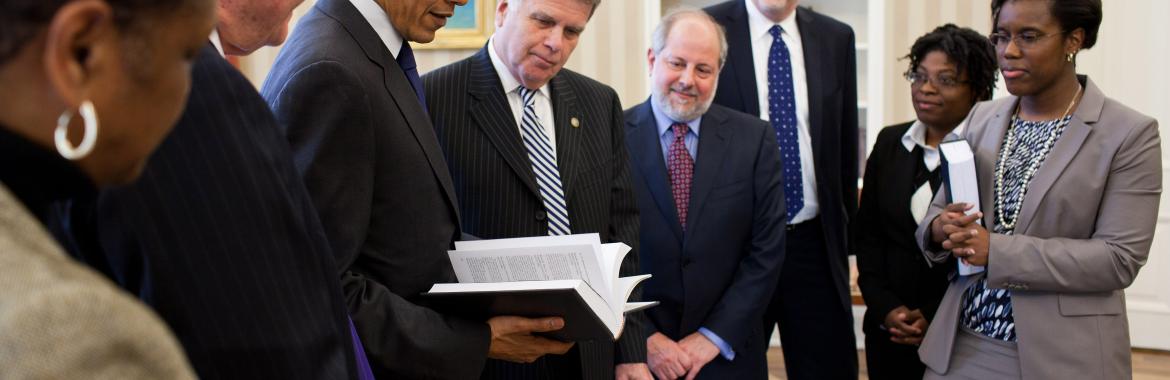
(542, 100)
(916, 136)
(377, 18)
(758, 26)
(215, 41)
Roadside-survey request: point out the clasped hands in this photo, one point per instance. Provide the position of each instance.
(671, 360)
(959, 233)
(906, 326)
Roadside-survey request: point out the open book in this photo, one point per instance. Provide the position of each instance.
(572, 276)
(962, 185)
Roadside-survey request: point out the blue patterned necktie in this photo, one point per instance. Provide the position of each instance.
(544, 165)
(782, 113)
(410, 67)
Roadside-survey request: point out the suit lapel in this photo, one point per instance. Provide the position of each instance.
(713, 138)
(814, 61)
(1062, 154)
(493, 114)
(566, 109)
(646, 150)
(740, 55)
(400, 90)
(985, 160)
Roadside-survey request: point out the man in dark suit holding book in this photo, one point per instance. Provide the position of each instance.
(712, 210)
(537, 150)
(346, 92)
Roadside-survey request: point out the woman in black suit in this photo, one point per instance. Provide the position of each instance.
(951, 68)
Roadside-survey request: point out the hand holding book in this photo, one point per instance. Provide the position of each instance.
(513, 339)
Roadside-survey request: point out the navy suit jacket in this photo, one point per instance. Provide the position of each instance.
(830, 65)
(377, 176)
(720, 272)
(219, 237)
(497, 188)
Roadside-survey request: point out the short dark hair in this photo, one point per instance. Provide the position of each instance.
(21, 19)
(970, 51)
(1071, 14)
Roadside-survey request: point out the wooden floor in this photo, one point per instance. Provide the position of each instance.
(1147, 365)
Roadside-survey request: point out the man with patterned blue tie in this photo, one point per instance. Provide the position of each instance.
(709, 188)
(797, 69)
(537, 150)
(346, 92)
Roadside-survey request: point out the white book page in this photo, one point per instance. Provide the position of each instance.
(623, 288)
(532, 263)
(610, 261)
(534, 241)
(963, 185)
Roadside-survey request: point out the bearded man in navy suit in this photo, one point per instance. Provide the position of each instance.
(712, 210)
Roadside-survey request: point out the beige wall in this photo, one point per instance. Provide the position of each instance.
(612, 49)
(905, 21)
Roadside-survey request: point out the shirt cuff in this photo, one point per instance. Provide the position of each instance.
(724, 348)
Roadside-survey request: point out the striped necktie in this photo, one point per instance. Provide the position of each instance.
(544, 166)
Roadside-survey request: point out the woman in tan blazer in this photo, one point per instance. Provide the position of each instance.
(64, 63)
(1069, 186)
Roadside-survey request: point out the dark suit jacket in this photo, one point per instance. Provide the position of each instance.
(496, 185)
(720, 272)
(830, 66)
(892, 271)
(378, 179)
(219, 237)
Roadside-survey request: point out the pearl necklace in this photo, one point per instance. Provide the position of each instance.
(1009, 144)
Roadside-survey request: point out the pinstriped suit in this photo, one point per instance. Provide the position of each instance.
(497, 189)
(219, 237)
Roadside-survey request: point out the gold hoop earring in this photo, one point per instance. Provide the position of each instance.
(1070, 56)
(61, 134)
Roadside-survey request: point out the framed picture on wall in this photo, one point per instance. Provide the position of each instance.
(469, 28)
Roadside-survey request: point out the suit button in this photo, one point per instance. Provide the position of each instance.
(687, 262)
(540, 215)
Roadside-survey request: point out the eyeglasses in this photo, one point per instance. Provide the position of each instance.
(944, 81)
(1024, 40)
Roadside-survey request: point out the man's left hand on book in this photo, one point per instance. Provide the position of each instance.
(512, 338)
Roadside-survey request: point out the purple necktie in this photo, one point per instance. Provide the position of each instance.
(682, 168)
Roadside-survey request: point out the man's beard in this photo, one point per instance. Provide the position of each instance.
(681, 114)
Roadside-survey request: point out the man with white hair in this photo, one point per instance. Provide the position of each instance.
(536, 149)
(712, 210)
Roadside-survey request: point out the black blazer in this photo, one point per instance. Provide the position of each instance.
(720, 272)
(219, 237)
(497, 188)
(830, 66)
(892, 271)
(378, 179)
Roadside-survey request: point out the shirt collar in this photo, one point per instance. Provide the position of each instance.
(215, 41)
(509, 82)
(758, 24)
(380, 21)
(665, 122)
(916, 135)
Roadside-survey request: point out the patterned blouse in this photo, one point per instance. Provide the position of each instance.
(989, 311)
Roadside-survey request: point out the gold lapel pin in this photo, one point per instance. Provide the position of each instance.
(575, 123)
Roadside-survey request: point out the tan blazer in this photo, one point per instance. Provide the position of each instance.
(60, 320)
(1085, 229)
